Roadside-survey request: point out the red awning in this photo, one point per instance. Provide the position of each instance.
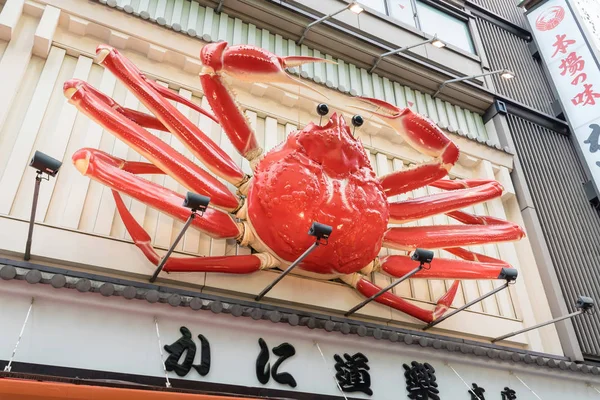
(25, 389)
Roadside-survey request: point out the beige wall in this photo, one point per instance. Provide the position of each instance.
(77, 223)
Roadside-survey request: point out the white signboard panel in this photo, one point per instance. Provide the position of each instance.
(574, 72)
(113, 334)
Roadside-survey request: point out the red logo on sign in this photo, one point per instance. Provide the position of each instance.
(550, 18)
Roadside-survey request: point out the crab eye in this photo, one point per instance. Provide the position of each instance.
(357, 121)
(322, 109)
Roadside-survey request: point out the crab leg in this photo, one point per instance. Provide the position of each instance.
(423, 136)
(444, 236)
(368, 289)
(119, 176)
(473, 266)
(152, 148)
(226, 264)
(149, 94)
(421, 207)
(246, 63)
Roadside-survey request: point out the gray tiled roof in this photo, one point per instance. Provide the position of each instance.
(107, 286)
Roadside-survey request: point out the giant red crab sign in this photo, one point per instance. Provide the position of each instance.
(320, 173)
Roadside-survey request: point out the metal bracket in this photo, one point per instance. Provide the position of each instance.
(288, 269)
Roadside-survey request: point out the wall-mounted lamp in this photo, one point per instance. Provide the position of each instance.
(44, 164)
(508, 274)
(321, 232)
(198, 205)
(584, 304)
(419, 255)
(434, 41)
(504, 74)
(354, 7)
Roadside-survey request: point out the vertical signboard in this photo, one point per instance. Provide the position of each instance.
(574, 72)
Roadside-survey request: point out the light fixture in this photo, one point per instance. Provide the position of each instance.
(44, 164)
(434, 41)
(584, 304)
(508, 274)
(356, 8)
(438, 43)
(504, 73)
(420, 255)
(507, 74)
(321, 232)
(353, 6)
(198, 205)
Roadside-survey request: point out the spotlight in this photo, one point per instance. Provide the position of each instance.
(506, 74)
(44, 164)
(356, 8)
(438, 43)
(320, 231)
(196, 202)
(508, 274)
(422, 256)
(584, 303)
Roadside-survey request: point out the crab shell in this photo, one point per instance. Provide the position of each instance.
(321, 173)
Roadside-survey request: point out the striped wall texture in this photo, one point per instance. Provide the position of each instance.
(190, 18)
(571, 226)
(505, 8)
(505, 50)
(36, 116)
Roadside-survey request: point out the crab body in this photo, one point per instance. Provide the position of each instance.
(318, 174)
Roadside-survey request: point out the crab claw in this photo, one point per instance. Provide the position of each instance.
(421, 134)
(417, 130)
(253, 64)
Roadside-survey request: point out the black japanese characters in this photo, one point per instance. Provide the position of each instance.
(352, 374)
(594, 139)
(508, 394)
(263, 367)
(420, 381)
(477, 392)
(186, 344)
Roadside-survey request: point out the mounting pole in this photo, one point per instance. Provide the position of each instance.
(288, 270)
(508, 274)
(400, 50)
(538, 325)
(36, 194)
(172, 248)
(382, 291)
(469, 304)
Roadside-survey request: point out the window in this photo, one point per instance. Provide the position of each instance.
(428, 19)
(449, 29)
(402, 10)
(377, 5)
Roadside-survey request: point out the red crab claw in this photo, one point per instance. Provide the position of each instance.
(253, 64)
(245, 63)
(424, 137)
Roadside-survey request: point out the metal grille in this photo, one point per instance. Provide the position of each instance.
(505, 50)
(505, 8)
(571, 226)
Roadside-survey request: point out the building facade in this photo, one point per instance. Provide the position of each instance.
(80, 318)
